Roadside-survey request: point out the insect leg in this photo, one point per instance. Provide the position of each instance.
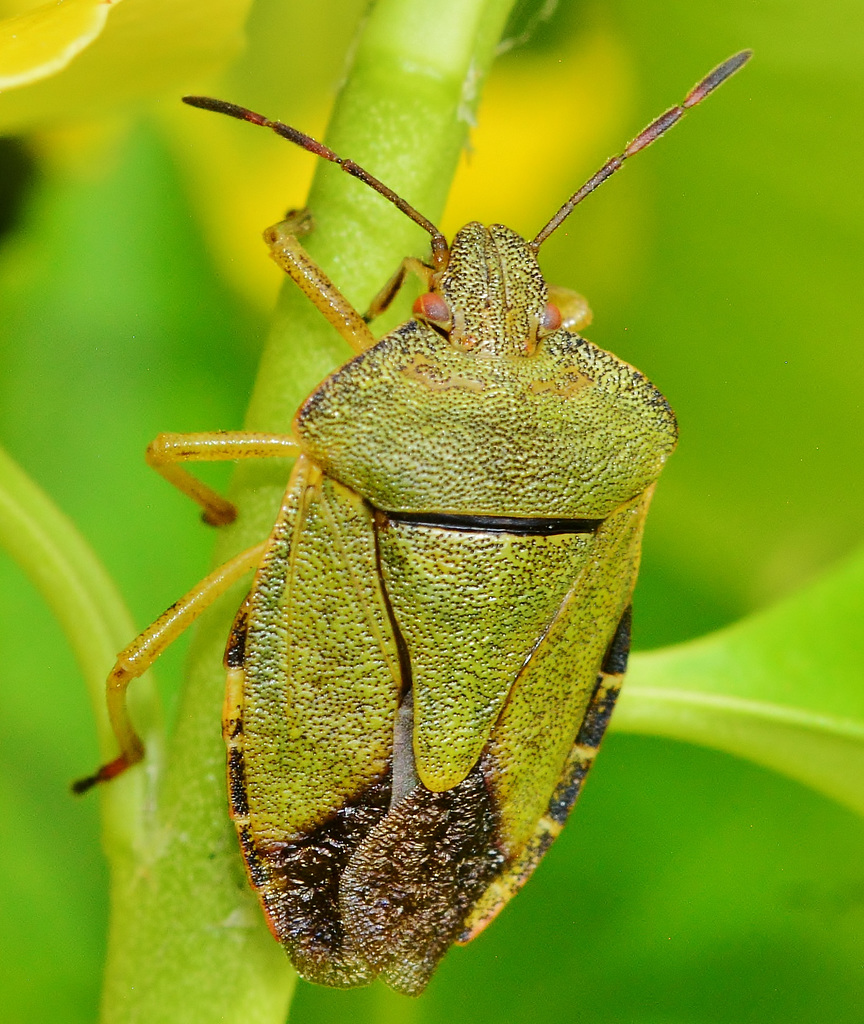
(212, 446)
(287, 251)
(410, 265)
(135, 659)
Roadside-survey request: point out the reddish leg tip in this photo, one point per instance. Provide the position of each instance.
(80, 786)
(105, 774)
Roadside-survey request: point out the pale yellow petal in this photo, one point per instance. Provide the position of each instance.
(84, 58)
(42, 42)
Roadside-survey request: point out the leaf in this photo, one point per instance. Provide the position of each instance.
(85, 601)
(784, 688)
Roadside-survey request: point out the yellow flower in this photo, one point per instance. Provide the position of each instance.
(79, 59)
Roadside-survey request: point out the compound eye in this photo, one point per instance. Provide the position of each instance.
(551, 319)
(432, 307)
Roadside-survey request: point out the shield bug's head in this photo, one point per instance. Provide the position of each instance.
(491, 296)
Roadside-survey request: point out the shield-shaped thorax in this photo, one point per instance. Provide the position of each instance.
(489, 417)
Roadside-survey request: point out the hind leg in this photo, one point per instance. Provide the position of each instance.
(135, 659)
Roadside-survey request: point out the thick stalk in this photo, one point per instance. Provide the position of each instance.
(84, 599)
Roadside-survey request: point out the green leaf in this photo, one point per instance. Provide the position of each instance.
(82, 596)
(784, 688)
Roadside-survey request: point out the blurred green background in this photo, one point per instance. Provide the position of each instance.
(725, 263)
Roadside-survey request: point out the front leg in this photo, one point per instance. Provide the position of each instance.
(287, 251)
(409, 265)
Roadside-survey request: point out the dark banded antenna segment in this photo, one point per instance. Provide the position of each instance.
(285, 131)
(658, 127)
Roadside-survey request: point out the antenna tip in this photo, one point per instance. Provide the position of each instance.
(733, 64)
(716, 77)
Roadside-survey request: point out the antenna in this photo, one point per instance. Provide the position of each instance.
(648, 135)
(439, 243)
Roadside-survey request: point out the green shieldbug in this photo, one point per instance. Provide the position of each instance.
(439, 622)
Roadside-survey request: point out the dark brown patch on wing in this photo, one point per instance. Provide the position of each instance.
(598, 713)
(301, 895)
(410, 885)
(618, 651)
(235, 649)
(237, 777)
(566, 794)
(256, 867)
(594, 724)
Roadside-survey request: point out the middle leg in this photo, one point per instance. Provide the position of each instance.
(165, 451)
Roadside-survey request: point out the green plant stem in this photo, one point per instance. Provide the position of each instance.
(187, 939)
(83, 597)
